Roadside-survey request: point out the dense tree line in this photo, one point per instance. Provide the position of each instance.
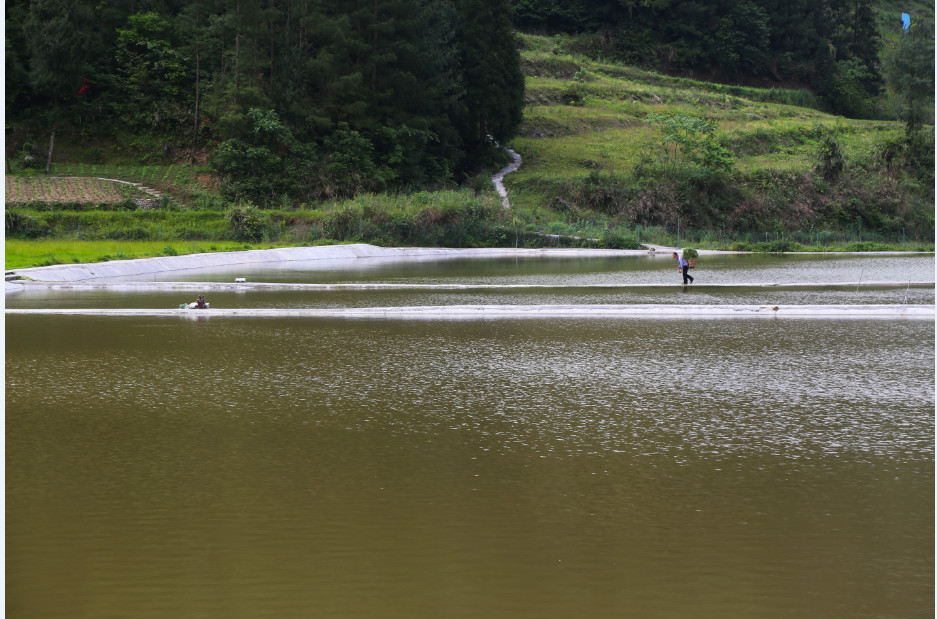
(329, 96)
(829, 46)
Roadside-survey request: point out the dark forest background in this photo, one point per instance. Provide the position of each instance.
(314, 99)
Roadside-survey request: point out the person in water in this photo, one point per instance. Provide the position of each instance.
(683, 266)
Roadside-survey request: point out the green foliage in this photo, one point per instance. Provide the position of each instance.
(264, 166)
(689, 145)
(911, 154)
(350, 167)
(425, 82)
(830, 47)
(248, 221)
(151, 73)
(866, 246)
(21, 225)
(57, 36)
(689, 252)
(910, 72)
(492, 78)
(779, 246)
(830, 162)
(846, 92)
(742, 39)
(573, 94)
(602, 193)
(353, 98)
(612, 239)
(585, 162)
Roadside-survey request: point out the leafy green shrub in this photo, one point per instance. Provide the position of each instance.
(266, 165)
(14, 221)
(830, 162)
(340, 224)
(247, 220)
(574, 94)
(29, 158)
(128, 234)
(190, 234)
(866, 246)
(480, 184)
(689, 145)
(689, 252)
(350, 167)
(776, 247)
(25, 226)
(613, 240)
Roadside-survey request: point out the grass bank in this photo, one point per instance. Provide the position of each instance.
(23, 254)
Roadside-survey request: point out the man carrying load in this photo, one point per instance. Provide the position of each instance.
(683, 266)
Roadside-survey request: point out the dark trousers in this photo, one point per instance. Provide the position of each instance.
(686, 275)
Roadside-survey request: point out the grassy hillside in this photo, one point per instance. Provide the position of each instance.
(588, 146)
(597, 170)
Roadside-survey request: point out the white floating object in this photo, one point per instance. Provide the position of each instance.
(240, 280)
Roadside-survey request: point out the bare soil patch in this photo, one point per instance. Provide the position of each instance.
(67, 189)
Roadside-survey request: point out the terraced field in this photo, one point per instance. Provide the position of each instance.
(584, 116)
(68, 189)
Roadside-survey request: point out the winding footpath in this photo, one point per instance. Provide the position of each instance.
(498, 178)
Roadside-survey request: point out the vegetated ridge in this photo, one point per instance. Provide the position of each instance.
(605, 144)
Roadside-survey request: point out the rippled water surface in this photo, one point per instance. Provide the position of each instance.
(554, 270)
(720, 280)
(268, 299)
(514, 468)
(510, 468)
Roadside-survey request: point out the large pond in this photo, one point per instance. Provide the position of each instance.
(577, 270)
(295, 467)
(719, 280)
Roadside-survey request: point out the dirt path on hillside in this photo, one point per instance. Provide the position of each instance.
(498, 178)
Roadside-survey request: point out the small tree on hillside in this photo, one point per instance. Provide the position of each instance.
(689, 145)
(267, 165)
(910, 72)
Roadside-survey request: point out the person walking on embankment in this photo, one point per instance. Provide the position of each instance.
(684, 267)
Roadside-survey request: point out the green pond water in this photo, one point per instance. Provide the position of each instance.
(466, 468)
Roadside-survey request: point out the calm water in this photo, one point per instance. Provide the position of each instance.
(716, 269)
(510, 468)
(563, 281)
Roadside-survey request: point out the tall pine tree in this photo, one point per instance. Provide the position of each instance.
(494, 84)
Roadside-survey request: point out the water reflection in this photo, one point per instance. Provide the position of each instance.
(335, 299)
(623, 270)
(563, 281)
(297, 468)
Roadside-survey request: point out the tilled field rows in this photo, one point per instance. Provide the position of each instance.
(66, 189)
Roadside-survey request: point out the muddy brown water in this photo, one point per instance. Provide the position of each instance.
(463, 468)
